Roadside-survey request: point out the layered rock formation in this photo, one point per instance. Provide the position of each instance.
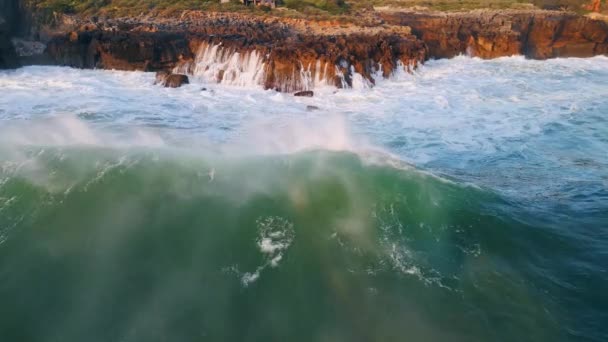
(293, 55)
(121, 50)
(490, 34)
(303, 62)
(240, 50)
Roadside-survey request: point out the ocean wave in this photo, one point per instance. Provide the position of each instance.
(328, 219)
(470, 193)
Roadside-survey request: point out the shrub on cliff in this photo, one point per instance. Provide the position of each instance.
(60, 6)
(331, 6)
(572, 5)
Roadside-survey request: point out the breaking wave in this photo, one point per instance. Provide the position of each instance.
(130, 212)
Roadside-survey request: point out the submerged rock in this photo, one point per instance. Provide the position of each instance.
(305, 93)
(312, 108)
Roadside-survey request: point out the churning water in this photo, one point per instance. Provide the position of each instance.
(468, 201)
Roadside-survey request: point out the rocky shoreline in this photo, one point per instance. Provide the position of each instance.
(291, 58)
(297, 54)
(491, 34)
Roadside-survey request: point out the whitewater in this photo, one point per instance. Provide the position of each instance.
(467, 200)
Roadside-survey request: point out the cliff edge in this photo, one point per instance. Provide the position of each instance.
(283, 54)
(489, 34)
(291, 54)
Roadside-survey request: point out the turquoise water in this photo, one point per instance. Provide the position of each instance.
(468, 201)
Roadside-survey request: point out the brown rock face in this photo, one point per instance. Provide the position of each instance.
(288, 58)
(336, 58)
(490, 34)
(305, 93)
(291, 55)
(119, 50)
(303, 61)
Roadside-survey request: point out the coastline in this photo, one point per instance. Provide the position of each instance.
(296, 53)
(465, 200)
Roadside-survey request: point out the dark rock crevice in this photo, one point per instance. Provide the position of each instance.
(10, 15)
(8, 55)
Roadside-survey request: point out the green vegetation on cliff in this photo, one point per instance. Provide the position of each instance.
(301, 7)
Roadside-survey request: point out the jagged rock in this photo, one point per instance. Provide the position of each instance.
(119, 50)
(161, 77)
(169, 80)
(152, 46)
(175, 80)
(292, 56)
(491, 34)
(305, 93)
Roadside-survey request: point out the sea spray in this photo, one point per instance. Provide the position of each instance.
(216, 63)
(316, 222)
(464, 202)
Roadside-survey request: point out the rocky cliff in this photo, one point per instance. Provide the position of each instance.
(290, 54)
(8, 57)
(490, 34)
(9, 14)
(241, 50)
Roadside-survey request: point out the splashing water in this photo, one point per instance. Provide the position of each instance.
(467, 201)
(213, 62)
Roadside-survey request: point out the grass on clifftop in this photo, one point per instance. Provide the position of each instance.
(46, 8)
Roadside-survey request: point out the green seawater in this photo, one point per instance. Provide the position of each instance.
(102, 244)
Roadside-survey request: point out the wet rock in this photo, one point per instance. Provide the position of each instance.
(304, 93)
(312, 108)
(161, 77)
(175, 81)
(293, 57)
(126, 44)
(169, 80)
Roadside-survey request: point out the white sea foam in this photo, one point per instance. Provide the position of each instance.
(456, 114)
(216, 63)
(276, 234)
